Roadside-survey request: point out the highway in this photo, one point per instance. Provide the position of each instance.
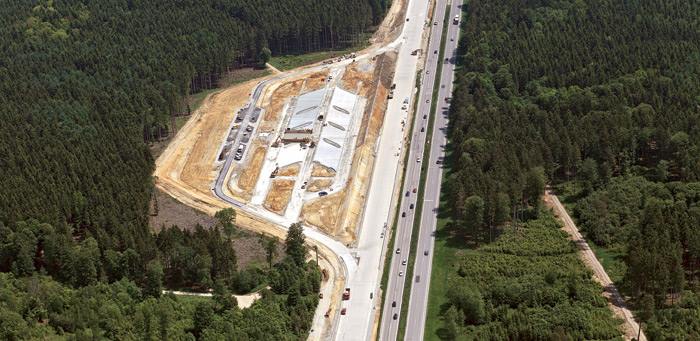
(418, 302)
(391, 312)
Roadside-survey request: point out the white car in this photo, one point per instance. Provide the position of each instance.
(418, 160)
(400, 273)
(404, 262)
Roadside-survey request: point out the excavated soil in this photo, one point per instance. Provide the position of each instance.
(290, 170)
(316, 80)
(278, 196)
(354, 78)
(249, 176)
(324, 212)
(276, 97)
(321, 171)
(316, 185)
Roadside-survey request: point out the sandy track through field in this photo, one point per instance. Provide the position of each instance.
(615, 300)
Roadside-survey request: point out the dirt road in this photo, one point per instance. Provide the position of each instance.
(615, 300)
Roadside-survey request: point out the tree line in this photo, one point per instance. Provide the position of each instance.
(115, 296)
(603, 94)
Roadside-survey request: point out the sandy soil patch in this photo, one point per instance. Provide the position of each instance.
(250, 174)
(278, 195)
(273, 101)
(316, 185)
(316, 80)
(289, 170)
(354, 78)
(324, 212)
(320, 170)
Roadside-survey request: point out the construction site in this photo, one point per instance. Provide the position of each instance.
(290, 147)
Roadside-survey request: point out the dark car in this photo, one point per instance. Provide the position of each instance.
(403, 214)
(322, 194)
(411, 206)
(393, 304)
(396, 316)
(425, 252)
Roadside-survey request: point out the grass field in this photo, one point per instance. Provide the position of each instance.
(288, 62)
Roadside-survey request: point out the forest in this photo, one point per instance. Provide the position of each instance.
(85, 86)
(599, 95)
(48, 288)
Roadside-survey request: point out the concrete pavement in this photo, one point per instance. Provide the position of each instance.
(418, 302)
(396, 284)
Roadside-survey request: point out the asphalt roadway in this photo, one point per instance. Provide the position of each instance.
(394, 297)
(418, 302)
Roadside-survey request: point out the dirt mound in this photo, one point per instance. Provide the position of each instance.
(278, 196)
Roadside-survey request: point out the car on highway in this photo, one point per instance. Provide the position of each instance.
(408, 193)
(400, 273)
(322, 193)
(435, 23)
(418, 160)
(249, 128)
(422, 129)
(403, 262)
(425, 252)
(343, 311)
(425, 117)
(403, 214)
(427, 101)
(405, 101)
(411, 206)
(398, 251)
(393, 304)
(415, 189)
(435, 52)
(396, 316)
(452, 39)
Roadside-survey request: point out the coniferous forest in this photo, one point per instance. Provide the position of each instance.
(601, 100)
(84, 87)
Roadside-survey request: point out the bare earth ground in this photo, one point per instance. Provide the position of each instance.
(316, 185)
(316, 80)
(320, 170)
(273, 101)
(615, 300)
(323, 212)
(278, 196)
(250, 174)
(289, 170)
